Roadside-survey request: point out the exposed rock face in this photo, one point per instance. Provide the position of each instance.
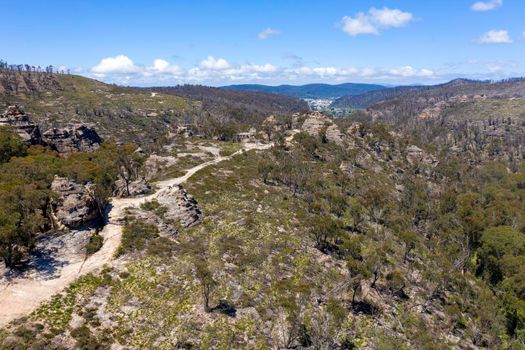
(78, 138)
(416, 155)
(74, 204)
(269, 126)
(15, 117)
(134, 188)
(181, 206)
(151, 218)
(315, 122)
(333, 134)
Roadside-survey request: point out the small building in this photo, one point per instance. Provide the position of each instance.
(245, 136)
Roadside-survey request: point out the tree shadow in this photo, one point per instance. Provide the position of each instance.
(45, 261)
(365, 308)
(226, 308)
(42, 263)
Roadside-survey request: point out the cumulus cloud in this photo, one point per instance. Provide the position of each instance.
(216, 64)
(268, 33)
(121, 69)
(375, 20)
(495, 37)
(390, 18)
(486, 5)
(115, 65)
(409, 71)
(349, 73)
(161, 68)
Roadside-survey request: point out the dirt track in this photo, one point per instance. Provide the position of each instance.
(22, 295)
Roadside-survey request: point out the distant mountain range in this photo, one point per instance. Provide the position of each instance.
(503, 89)
(314, 91)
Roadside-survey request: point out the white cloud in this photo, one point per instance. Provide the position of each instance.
(375, 20)
(352, 73)
(122, 70)
(163, 66)
(215, 64)
(390, 18)
(360, 24)
(493, 67)
(486, 5)
(495, 37)
(268, 33)
(115, 65)
(409, 71)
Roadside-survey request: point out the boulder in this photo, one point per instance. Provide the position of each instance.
(14, 116)
(181, 207)
(74, 204)
(77, 138)
(134, 188)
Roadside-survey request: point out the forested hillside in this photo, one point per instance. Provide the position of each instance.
(339, 237)
(143, 116)
(243, 107)
(399, 227)
(504, 89)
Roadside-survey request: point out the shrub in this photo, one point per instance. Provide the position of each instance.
(135, 236)
(162, 247)
(95, 243)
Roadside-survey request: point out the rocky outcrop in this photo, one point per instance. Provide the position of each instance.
(73, 204)
(333, 134)
(78, 138)
(151, 218)
(314, 123)
(181, 207)
(317, 123)
(416, 155)
(134, 188)
(14, 116)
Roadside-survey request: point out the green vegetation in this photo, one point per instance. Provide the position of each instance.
(95, 243)
(135, 236)
(117, 113)
(10, 145)
(309, 244)
(489, 109)
(25, 195)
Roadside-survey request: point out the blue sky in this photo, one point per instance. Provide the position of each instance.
(268, 41)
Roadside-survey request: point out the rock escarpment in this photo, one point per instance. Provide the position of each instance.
(67, 140)
(73, 204)
(14, 116)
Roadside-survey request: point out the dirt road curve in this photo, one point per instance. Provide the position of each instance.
(21, 296)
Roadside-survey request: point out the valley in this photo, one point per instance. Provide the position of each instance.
(196, 217)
